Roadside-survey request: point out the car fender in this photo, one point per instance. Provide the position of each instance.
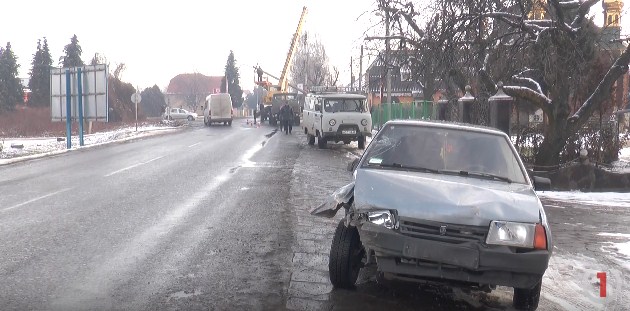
(342, 197)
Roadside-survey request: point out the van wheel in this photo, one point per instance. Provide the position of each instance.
(229, 123)
(362, 142)
(346, 254)
(321, 142)
(527, 298)
(311, 139)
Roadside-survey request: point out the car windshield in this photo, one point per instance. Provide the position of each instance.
(343, 105)
(442, 150)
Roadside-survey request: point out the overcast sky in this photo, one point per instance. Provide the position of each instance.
(158, 41)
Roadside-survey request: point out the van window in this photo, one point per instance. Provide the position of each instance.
(344, 105)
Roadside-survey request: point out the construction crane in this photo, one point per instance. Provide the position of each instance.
(268, 110)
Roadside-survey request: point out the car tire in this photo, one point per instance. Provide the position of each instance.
(527, 298)
(311, 139)
(321, 142)
(346, 253)
(362, 142)
(190, 118)
(229, 123)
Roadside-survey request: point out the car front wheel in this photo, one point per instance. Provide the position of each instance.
(527, 298)
(362, 142)
(190, 118)
(346, 255)
(321, 142)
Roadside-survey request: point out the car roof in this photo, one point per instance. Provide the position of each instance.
(449, 125)
(340, 95)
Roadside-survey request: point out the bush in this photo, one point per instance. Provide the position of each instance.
(599, 139)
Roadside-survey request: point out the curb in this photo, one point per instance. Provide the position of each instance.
(36, 156)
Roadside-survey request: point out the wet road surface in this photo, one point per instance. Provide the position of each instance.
(218, 218)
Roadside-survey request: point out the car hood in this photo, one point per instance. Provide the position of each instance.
(445, 198)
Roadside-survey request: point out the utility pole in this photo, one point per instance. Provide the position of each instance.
(387, 65)
(351, 74)
(361, 69)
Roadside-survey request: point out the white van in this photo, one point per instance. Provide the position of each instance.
(218, 108)
(336, 116)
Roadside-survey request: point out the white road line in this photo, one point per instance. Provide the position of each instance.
(132, 166)
(36, 199)
(194, 145)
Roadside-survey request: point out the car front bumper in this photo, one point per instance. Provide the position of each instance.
(407, 258)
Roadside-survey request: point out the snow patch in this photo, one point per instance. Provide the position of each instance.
(608, 199)
(44, 146)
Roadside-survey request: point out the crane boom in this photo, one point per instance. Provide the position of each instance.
(284, 80)
(289, 84)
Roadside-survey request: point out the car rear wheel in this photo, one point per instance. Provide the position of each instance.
(190, 118)
(362, 142)
(346, 255)
(527, 298)
(321, 142)
(311, 139)
(229, 123)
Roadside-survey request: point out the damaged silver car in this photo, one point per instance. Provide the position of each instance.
(442, 202)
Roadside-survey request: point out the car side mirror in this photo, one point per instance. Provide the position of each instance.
(542, 183)
(353, 165)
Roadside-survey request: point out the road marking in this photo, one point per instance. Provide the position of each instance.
(194, 145)
(132, 166)
(36, 199)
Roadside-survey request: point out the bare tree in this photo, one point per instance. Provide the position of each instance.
(310, 64)
(542, 61)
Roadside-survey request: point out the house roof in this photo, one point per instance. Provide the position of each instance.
(187, 82)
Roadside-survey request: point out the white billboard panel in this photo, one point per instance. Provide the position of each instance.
(94, 82)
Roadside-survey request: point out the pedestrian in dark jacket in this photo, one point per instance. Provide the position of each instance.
(286, 118)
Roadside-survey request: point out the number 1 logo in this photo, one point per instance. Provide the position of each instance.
(602, 283)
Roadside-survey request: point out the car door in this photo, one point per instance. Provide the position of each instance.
(318, 115)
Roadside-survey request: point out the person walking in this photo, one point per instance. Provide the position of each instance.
(285, 116)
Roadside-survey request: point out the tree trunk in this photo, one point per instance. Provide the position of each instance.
(556, 132)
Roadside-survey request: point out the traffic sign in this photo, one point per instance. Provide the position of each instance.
(136, 98)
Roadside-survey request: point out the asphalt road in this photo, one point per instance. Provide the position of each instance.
(196, 219)
(218, 218)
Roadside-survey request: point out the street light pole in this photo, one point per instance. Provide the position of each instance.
(387, 61)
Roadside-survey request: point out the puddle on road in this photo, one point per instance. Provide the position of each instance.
(184, 294)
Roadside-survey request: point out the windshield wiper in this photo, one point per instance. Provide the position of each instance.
(478, 174)
(410, 167)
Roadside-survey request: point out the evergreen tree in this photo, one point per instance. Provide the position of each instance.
(39, 82)
(72, 51)
(152, 101)
(11, 92)
(232, 76)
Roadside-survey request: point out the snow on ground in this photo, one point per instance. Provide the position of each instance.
(611, 199)
(571, 282)
(42, 146)
(623, 164)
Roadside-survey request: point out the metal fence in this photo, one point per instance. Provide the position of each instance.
(417, 110)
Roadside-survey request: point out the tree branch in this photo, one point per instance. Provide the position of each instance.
(602, 92)
(539, 100)
(583, 10)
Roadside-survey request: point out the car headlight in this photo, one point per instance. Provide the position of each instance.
(517, 234)
(383, 218)
(364, 122)
(332, 122)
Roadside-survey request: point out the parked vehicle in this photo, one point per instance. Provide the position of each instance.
(179, 114)
(279, 99)
(444, 203)
(218, 109)
(336, 115)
